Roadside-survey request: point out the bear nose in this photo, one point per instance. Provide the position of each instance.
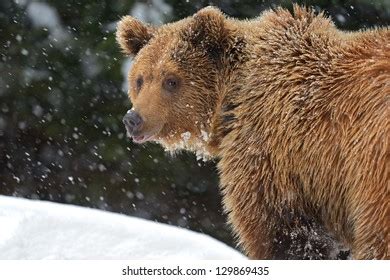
(133, 122)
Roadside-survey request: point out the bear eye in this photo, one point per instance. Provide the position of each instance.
(139, 82)
(171, 83)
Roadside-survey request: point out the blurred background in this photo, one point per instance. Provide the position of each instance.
(63, 95)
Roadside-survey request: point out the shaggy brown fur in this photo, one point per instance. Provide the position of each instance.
(296, 111)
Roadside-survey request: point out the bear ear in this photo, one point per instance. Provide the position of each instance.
(132, 35)
(207, 29)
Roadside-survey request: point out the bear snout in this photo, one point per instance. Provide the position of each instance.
(133, 122)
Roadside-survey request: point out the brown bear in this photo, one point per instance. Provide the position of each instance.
(296, 112)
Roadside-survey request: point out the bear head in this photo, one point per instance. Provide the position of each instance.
(174, 78)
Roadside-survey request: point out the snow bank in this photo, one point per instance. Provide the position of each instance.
(45, 230)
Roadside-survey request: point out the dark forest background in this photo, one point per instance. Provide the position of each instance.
(62, 98)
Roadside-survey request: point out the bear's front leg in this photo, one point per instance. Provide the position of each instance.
(253, 218)
(252, 224)
(268, 219)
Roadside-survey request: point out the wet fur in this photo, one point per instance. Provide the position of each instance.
(296, 111)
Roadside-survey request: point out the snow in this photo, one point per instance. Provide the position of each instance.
(186, 136)
(126, 65)
(153, 12)
(45, 16)
(46, 230)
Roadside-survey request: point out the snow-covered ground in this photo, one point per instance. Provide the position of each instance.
(45, 230)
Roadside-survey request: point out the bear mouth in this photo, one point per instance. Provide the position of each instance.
(139, 139)
(145, 136)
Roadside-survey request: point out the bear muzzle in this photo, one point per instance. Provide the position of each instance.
(133, 123)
